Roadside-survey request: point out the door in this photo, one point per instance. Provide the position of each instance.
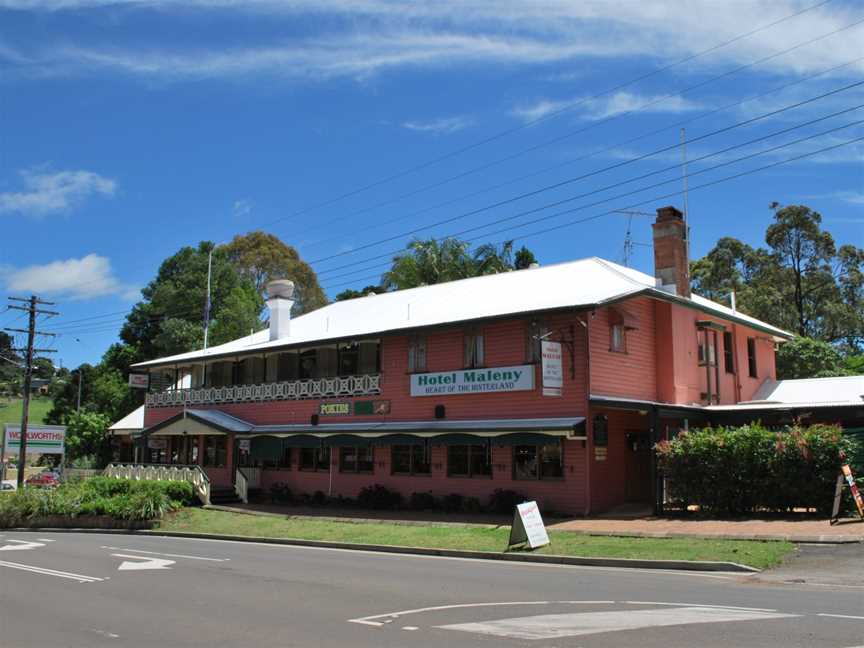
(637, 467)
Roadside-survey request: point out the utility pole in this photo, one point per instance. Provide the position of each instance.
(207, 303)
(33, 303)
(80, 380)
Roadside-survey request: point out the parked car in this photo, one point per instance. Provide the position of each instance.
(8, 487)
(45, 479)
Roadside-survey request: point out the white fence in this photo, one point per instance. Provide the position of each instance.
(139, 472)
(246, 479)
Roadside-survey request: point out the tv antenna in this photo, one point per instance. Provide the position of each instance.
(629, 243)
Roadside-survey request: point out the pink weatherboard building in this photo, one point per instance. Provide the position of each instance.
(553, 381)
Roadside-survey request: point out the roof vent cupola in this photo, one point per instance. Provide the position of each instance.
(280, 299)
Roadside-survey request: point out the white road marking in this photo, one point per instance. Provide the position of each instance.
(21, 545)
(556, 626)
(81, 578)
(391, 616)
(149, 563)
(840, 616)
(722, 607)
(410, 628)
(44, 540)
(170, 555)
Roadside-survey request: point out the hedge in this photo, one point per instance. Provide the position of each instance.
(119, 499)
(749, 469)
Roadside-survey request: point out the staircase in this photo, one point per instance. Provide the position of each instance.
(224, 495)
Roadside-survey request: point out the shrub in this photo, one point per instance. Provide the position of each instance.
(180, 492)
(280, 493)
(422, 502)
(471, 505)
(452, 502)
(378, 498)
(319, 498)
(733, 471)
(504, 501)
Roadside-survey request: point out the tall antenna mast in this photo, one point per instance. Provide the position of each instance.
(207, 303)
(684, 179)
(629, 243)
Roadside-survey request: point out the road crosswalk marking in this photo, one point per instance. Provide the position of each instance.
(555, 626)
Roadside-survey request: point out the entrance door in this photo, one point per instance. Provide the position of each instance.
(637, 467)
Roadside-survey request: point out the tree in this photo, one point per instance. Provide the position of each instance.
(431, 261)
(807, 358)
(524, 258)
(802, 282)
(43, 368)
(87, 436)
(170, 318)
(350, 293)
(262, 257)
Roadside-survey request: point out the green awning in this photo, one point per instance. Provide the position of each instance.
(458, 439)
(400, 439)
(525, 438)
(265, 448)
(341, 440)
(302, 441)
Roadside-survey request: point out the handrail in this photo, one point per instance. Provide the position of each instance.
(193, 474)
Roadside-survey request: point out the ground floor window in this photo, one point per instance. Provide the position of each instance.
(215, 451)
(469, 460)
(538, 461)
(357, 459)
(266, 452)
(315, 459)
(410, 459)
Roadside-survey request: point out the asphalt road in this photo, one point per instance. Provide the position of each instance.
(93, 590)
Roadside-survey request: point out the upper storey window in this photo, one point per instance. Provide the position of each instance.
(417, 353)
(620, 322)
(474, 349)
(751, 357)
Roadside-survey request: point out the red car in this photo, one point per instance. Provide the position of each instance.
(43, 480)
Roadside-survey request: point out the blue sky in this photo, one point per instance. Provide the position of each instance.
(131, 129)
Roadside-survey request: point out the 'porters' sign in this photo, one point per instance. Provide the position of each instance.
(473, 381)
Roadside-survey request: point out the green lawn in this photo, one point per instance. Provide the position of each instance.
(10, 411)
(753, 553)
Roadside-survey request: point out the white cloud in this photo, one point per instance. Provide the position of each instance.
(364, 37)
(243, 207)
(844, 195)
(440, 126)
(46, 192)
(607, 106)
(85, 278)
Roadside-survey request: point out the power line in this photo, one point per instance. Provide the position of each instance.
(580, 158)
(653, 199)
(591, 126)
(515, 129)
(560, 184)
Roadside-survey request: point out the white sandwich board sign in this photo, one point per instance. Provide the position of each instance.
(528, 527)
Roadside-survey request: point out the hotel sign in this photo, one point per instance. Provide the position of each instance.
(473, 381)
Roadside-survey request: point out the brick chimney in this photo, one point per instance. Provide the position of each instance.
(280, 294)
(671, 264)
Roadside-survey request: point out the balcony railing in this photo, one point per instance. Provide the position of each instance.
(340, 386)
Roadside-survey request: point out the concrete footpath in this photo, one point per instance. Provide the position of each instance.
(805, 530)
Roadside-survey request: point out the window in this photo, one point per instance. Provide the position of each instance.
(369, 357)
(215, 451)
(538, 462)
(469, 460)
(751, 357)
(474, 352)
(728, 352)
(308, 364)
(358, 459)
(707, 341)
(288, 366)
(315, 459)
(410, 459)
(327, 360)
(417, 353)
(618, 338)
(349, 359)
(268, 453)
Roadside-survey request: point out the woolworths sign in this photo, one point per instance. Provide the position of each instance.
(473, 381)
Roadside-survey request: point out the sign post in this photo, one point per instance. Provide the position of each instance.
(528, 527)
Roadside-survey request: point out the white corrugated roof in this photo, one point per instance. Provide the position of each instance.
(585, 282)
(811, 391)
(134, 421)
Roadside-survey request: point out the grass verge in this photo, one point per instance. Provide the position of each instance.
(10, 410)
(754, 553)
